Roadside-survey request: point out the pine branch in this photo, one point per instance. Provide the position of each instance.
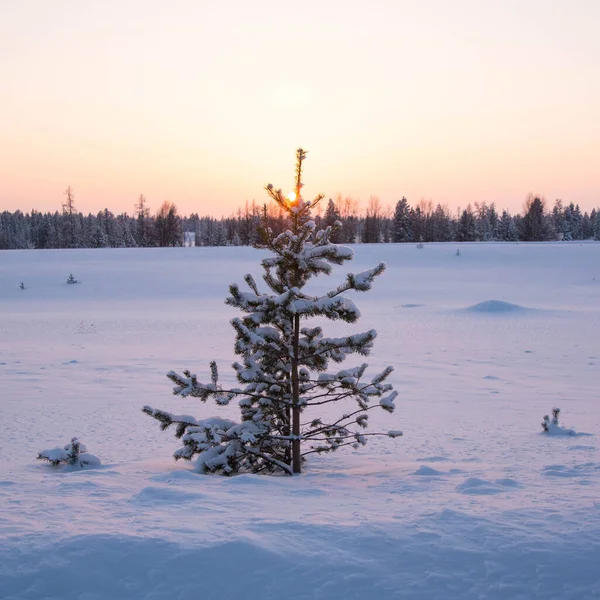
(325, 449)
(281, 465)
(336, 423)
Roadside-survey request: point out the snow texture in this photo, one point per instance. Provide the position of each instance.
(472, 502)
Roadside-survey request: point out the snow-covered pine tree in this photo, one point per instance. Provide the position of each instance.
(402, 231)
(507, 229)
(330, 218)
(73, 453)
(552, 426)
(284, 361)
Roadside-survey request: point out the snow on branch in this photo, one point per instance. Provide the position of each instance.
(362, 282)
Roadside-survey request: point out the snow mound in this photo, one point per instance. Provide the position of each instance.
(554, 429)
(339, 562)
(427, 471)
(551, 427)
(496, 306)
(476, 486)
(588, 469)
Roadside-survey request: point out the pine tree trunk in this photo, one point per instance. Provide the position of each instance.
(296, 463)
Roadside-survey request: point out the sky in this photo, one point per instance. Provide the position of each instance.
(203, 103)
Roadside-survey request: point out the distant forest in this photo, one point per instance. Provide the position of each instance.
(405, 223)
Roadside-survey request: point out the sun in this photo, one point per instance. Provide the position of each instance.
(291, 197)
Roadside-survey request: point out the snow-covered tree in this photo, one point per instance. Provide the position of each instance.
(73, 453)
(467, 226)
(535, 227)
(440, 224)
(284, 362)
(331, 217)
(402, 231)
(551, 426)
(218, 235)
(507, 229)
(486, 219)
(98, 239)
(573, 221)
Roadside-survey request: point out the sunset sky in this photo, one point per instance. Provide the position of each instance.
(203, 103)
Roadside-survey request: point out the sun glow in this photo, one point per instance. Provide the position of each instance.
(291, 197)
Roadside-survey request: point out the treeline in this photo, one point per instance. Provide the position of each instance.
(405, 223)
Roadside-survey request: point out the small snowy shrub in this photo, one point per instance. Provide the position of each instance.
(74, 453)
(551, 426)
(458, 252)
(71, 280)
(547, 422)
(22, 286)
(282, 373)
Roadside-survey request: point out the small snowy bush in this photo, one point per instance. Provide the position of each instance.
(22, 286)
(71, 280)
(74, 453)
(551, 426)
(282, 371)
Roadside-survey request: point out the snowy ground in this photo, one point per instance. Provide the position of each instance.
(473, 501)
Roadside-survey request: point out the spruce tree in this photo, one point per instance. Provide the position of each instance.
(534, 224)
(283, 369)
(507, 230)
(402, 229)
(333, 219)
(467, 227)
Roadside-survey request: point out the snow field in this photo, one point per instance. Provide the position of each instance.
(473, 501)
